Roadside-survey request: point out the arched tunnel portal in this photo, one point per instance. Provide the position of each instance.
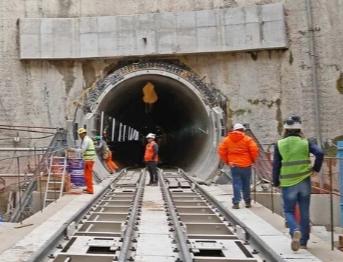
(186, 115)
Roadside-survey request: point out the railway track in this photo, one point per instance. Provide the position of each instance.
(174, 221)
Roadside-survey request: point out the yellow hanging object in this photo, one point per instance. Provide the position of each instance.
(150, 96)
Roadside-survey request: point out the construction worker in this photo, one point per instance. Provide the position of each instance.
(105, 153)
(292, 171)
(88, 154)
(151, 158)
(239, 151)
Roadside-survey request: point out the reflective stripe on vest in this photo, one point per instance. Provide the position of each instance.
(296, 164)
(89, 154)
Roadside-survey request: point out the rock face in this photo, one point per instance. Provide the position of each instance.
(262, 87)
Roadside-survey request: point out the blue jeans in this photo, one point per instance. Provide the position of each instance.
(298, 194)
(241, 182)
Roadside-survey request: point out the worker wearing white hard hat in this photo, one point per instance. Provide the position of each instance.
(151, 135)
(151, 157)
(88, 153)
(239, 151)
(238, 126)
(292, 171)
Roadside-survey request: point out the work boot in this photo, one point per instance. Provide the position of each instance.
(295, 244)
(235, 206)
(248, 205)
(303, 247)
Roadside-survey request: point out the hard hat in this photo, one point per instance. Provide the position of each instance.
(151, 135)
(238, 126)
(97, 138)
(81, 131)
(292, 122)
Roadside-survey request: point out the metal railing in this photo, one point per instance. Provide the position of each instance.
(57, 144)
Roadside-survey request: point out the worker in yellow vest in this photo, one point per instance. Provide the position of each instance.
(88, 153)
(292, 170)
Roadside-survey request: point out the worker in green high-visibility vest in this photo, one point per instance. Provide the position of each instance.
(292, 170)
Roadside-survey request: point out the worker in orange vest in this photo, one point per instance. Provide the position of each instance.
(151, 158)
(105, 154)
(239, 151)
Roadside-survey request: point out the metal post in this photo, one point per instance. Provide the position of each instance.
(124, 133)
(101, 123)
(19, 187)
(37, 175)
(255, 184)
(113, 128)
(340, 158)
(272, 196)
(119, 135)
(331, 205)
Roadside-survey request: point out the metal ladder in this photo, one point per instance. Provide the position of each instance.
(55, 183)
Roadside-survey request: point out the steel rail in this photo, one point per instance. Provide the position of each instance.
(266, 251)
(186, 255)
(128, 233)
(61, 232)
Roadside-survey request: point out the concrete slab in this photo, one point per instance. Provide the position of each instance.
(266, 233)
(154, 239)
(20, 244)
(316, 246)
(229, 29)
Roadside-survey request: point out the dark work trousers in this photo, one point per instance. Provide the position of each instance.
(152, 168)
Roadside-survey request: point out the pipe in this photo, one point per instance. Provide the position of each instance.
(40, 127)
(314, 69)
(23, 149)
(26, 130)
(331, 207)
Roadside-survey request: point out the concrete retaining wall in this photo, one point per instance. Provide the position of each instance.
(320, 207)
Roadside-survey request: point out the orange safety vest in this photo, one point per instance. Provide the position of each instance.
(149, 152)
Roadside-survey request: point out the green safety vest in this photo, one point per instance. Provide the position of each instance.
(90, 153)
(296, 163)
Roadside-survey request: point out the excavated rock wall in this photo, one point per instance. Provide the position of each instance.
(262, 87)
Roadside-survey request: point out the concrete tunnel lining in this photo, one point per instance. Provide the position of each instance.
(181, 117)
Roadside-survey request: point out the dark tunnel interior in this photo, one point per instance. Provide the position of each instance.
(179, 118)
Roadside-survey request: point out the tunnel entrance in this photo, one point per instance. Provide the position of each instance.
(185, 116)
